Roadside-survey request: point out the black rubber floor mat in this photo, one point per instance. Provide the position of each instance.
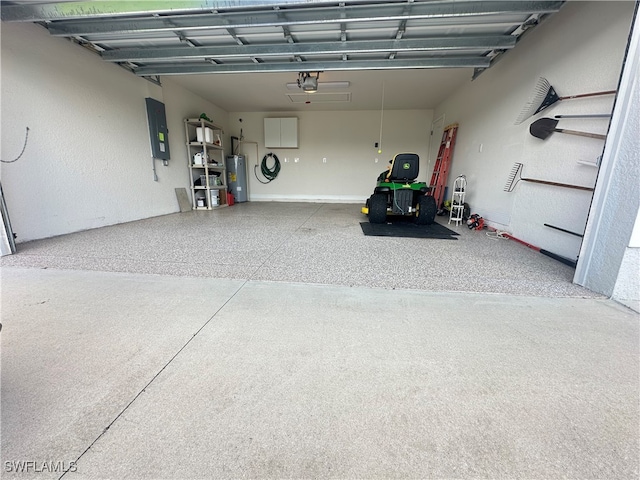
(408, 229)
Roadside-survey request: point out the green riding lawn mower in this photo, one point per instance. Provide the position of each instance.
(397, 193)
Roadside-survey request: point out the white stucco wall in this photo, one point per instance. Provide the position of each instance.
(627, 287)
(345, 139)
(579, 50)
(88, 161)
(611, 250)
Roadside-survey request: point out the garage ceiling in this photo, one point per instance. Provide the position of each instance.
(421, 50)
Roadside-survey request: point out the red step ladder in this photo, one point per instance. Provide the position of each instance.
(443, 162)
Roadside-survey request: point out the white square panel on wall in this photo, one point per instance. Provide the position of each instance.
(281, 132)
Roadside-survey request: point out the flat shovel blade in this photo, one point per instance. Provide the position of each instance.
(543, 127)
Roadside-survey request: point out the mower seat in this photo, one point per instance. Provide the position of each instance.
(404, 168)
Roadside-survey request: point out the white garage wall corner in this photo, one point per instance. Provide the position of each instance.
(181, 103)
(88, 160)
(611, 250)
(579, 50)
(345, 138)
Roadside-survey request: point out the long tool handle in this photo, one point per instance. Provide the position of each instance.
(594, 94)
(555, 184)
(526, 244)
(563, 230)
(565, 260)
(589, 115)
(581, 134)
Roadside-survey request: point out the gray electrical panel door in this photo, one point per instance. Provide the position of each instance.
(158, 131)
(237, 177)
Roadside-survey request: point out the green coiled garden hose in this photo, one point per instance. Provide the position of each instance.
(270, 173)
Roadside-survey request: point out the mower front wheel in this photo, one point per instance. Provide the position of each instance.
(378, 208)
(426, 211)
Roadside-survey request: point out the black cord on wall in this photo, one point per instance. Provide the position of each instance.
(26, 137)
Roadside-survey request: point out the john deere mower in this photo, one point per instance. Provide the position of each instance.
(397, 193)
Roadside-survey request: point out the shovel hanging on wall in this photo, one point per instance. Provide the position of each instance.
(544, 127)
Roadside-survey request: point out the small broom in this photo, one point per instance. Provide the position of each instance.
(545, 95)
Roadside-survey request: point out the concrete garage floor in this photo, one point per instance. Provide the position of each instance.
(135, 375)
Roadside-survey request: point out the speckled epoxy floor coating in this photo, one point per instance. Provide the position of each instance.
(303, 242)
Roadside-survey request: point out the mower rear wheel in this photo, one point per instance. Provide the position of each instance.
(426, 210)
(378, 208)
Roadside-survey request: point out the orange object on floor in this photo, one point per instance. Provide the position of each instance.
(230, 199)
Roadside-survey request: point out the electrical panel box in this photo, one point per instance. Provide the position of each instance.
(158, 131)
